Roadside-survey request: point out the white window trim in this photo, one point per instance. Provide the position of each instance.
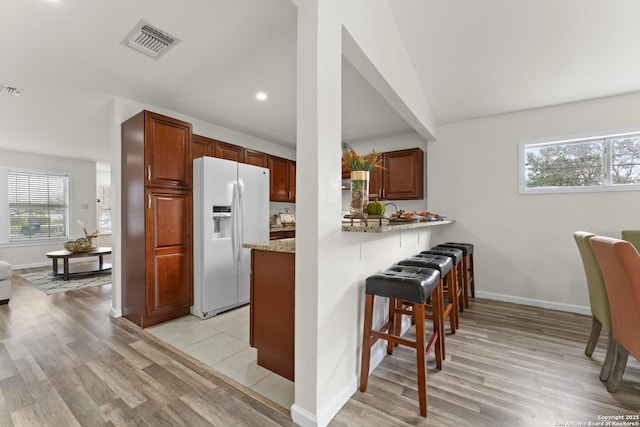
(4, 208)
(606, 187)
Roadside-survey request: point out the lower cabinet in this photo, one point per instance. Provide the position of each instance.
(272, 310)
(158, 281)
(282, 234)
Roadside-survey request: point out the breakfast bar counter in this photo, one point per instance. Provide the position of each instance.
(280, 245)
(385, 226)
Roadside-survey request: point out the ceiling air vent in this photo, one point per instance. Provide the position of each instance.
(10, 90)
(150, 40)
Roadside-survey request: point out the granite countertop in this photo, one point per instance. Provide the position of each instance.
(280, 245)
(374, 226)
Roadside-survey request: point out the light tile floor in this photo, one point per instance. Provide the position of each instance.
(222, 342)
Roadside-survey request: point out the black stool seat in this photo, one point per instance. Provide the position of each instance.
(458, 281)
(410, 286)
(454, 253)
(408, 289)
(469, 276)
(444, 264)
(440, 262)
(467, 248)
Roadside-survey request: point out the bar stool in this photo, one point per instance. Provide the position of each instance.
(456, 258)
(444, 265)
(468, 254)
(414, 288)
(434, 309)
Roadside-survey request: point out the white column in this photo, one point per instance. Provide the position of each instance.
(318, 189)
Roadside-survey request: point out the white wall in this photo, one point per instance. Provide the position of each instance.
(524, 247)
(82, 191)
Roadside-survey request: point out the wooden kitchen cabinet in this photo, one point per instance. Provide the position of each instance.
(157, 258)
(292, 181)
(282, 234)
(272, 310)
(224, 150)
(170, 253)
(282, 179)
(401, 179)
(167, 151)
(256, 158)
(375, 184)
(202, 146)
(403, 176)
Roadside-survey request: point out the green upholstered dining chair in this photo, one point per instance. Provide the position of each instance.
(633, 237)
(620, 263)
(598, 299)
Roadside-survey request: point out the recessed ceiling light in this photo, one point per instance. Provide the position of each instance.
(261, 96)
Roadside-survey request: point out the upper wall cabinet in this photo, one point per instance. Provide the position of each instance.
(283, 179)
(224, 150)
(403, 176)
(202, 146)
(167, 151)
(256, 158)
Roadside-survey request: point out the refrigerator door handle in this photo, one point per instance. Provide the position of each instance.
(240, 221)
(234, 222)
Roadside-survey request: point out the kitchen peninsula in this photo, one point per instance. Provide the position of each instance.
(272, 304)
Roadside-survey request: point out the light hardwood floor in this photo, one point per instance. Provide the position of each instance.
(65, 362)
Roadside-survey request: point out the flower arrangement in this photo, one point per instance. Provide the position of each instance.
(360, 167)
(355, 162)
(86, 234)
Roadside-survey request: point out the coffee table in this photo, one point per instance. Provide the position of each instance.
(80, 269)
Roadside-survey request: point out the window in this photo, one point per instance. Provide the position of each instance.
(589, 163)
(104, 209)
(38, 205)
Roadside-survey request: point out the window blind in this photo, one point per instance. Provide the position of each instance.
(38, 205)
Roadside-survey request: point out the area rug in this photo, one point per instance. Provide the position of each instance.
(56, 285)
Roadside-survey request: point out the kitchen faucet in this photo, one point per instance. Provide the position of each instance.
(394, 205)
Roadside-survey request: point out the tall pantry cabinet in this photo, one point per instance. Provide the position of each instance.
(157, 257)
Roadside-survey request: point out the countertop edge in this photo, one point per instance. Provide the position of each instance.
(280, 245)
(377, 228)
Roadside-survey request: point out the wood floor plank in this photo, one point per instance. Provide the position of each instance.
(65, 362)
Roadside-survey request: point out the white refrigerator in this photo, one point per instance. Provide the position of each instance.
(230, 207)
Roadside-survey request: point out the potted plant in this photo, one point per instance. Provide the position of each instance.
(360, 167)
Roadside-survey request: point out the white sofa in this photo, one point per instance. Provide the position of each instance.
(5, 282)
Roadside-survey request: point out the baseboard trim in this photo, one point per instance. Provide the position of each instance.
(571, 308)
(31, 265)
(304, 418)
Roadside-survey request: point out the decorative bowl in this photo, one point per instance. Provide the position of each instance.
(79, 245)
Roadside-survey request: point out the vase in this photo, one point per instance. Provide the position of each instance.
(359, 192)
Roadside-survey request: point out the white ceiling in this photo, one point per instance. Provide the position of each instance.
(473, 59)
